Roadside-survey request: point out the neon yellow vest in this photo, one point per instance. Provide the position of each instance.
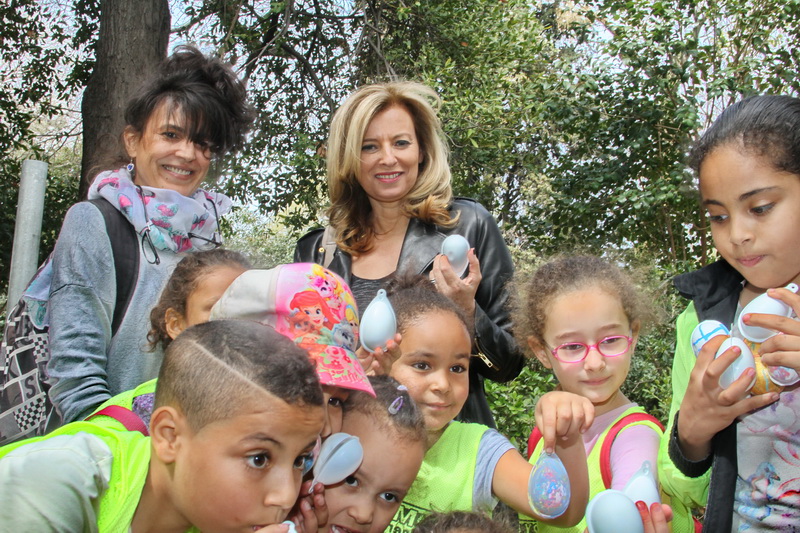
(123, 399)
(445, 480)
(131, 452)
(681, 522)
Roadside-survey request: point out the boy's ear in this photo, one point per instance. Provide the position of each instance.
(167, 426)
(539, 351)
(174, 323)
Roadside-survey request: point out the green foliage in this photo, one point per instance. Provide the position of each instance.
(513, 403)
(295, 56)
(266, 242)
(570, 121)
(646, 78)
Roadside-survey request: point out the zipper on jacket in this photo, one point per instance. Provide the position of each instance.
(488, 362)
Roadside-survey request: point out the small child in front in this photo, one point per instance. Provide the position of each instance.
(196, 284)
(238, 412)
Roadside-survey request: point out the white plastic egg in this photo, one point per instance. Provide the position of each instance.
(783, 375)
(455, 247)
(378, 324)
(744, 361)
(611, 511)
(767, 305)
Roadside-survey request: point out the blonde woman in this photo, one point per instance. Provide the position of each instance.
(392, 205)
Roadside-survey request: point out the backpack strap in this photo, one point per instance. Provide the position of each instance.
(619, 425)
(124, 416)
(125, 250)
(533, 440)
(329, 245)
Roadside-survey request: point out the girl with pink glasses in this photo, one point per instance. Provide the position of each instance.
(580, 316)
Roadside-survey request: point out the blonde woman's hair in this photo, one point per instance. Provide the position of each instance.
(431, 195)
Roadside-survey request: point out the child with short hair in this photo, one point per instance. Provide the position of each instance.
(580, 316)
(729, 451)
(469, 466)
(238, 412)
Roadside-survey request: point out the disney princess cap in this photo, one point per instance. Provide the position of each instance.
(309, 304)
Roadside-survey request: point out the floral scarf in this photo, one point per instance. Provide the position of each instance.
(170, 220)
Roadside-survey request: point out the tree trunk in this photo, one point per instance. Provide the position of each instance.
(133, 41)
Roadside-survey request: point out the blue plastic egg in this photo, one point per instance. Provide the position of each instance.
(742, 363)
(340, 455)
(611, 511)
(548, 486)
(455, 247)
(378, 324)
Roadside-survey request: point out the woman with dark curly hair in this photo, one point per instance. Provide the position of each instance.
(192, 113)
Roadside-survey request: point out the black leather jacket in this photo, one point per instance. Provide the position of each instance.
(714, 289)
(500, 358)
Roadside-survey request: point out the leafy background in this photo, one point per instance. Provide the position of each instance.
(569, 120)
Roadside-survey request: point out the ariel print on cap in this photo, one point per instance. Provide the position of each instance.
(315, 308)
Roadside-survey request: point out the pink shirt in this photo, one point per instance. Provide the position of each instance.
(632, 447)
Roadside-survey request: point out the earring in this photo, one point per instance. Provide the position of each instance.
(129, 167)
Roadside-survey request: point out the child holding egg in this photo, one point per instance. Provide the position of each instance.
(580, 316)
(732, 448)
(470, 466)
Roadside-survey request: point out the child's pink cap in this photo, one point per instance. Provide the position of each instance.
(309, 304)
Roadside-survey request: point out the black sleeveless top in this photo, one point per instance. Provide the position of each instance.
(364, 290)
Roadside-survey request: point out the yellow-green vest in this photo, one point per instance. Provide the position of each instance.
(445, 480)
(682, 521)
(131, 461)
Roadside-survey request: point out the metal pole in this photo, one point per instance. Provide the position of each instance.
(28, 228)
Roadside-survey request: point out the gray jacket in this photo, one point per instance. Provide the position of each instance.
(87, 364)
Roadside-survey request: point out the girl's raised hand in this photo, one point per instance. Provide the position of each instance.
(461, 291)
(310, 512)
(561, 415)
(380, 361)
(782, 349)
(707, 408)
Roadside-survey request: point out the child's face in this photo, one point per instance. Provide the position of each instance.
(587, 316)
(754, 212)
(200, 301)
(433, 365)
(244, 472)
(334, 404)
(366, 501)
